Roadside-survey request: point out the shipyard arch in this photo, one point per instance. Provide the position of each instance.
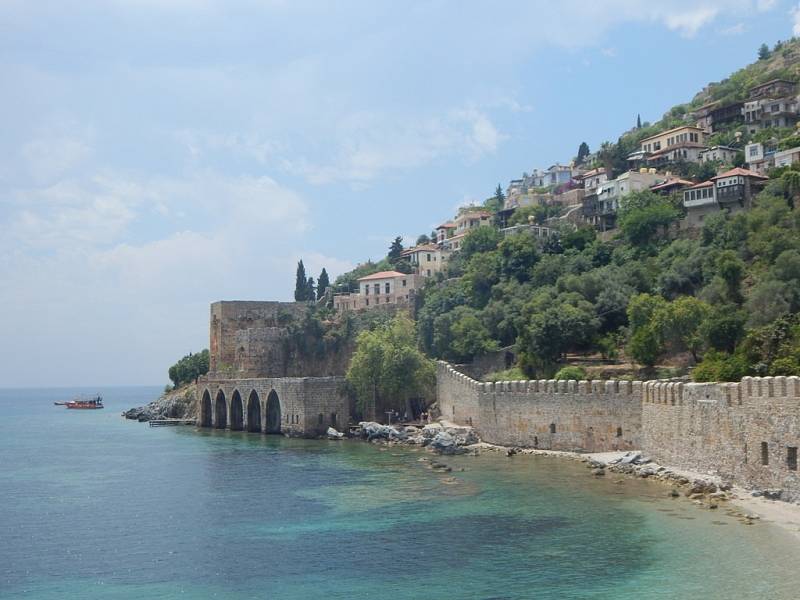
(220, 411)
(273, 413)
(237, 412)
(205, 410)
(254, 412)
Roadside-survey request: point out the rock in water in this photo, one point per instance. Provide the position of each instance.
(333, 434)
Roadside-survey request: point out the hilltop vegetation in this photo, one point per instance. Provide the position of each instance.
(782, 61)
(723, 301)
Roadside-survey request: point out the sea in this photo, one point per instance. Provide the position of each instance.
(96, 507)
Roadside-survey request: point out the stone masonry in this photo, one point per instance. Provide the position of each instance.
(747, 432)
(547, 414)
(257, 382)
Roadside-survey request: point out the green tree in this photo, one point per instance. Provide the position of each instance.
(723, 328)
(678, 324)
(470, 337)
(763, 52)
(731, 269)
(480, 239)
(645, 345)
(638, 121)
(499, 196)
(553, 328)
(423, 239)
(518, 255)
(323, 283)
(387, 368)
(583, 152)
(311, 289)
(301, 284)
(644, 214)
(395, 250)
(189, 369)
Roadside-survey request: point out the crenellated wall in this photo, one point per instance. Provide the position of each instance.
(548, 414)
(747, 432)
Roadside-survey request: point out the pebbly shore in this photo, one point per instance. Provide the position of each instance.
(707, 492)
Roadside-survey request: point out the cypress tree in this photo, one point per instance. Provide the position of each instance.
(310, 289)
(301, 285)
(322, 284)
(638, 121)
(395, 250)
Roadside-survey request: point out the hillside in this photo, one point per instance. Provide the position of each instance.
(721, 302)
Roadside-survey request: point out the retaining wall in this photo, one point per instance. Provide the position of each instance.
(548, 414)
(747, 433)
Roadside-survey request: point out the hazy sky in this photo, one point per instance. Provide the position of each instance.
(158, 155)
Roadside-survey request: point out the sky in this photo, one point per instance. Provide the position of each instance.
(160, 155)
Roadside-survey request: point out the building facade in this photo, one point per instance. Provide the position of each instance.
(426, 260)
(674, 145)
(732, 191)
(386, 287)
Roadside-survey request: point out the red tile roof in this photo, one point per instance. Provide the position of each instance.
(669, 183)
(739, 171)
(422, 248)
(384, 275)
(447, 225)
(593, 172)
(701, 185)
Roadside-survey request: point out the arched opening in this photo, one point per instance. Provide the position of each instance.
(552, 427)
(205, 410)
(220, 411)
(619, 432)
(273, 413)
(237, 412)
(253, 412)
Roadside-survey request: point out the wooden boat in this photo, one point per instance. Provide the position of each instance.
(95, 403)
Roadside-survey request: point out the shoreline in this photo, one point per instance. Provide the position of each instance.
(706, 492)
(739, 501)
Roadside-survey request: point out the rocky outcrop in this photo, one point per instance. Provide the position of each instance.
(177, 404)
(441, 438)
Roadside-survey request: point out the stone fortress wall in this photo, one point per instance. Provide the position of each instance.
(551, 415)
(297, 406)
(257, 383)
(747, 432)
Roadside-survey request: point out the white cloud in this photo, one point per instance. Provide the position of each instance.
(737, 29)
(795, 13)
(373, 144)
(765, 5)
(688, 23)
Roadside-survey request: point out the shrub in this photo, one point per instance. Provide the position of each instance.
(571, 372)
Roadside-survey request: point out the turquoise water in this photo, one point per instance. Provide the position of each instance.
(95, 507)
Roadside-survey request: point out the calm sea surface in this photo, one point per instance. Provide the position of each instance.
(92, 506)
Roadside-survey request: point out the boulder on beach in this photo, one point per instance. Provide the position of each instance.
(333, 434)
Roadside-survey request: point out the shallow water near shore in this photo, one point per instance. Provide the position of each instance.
(94, 507)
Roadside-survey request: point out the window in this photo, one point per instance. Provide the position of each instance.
(404, 283)
(377, 289)
(429, 272)
(619, 432)
(764, 453)
(388, 288)
(552, 427)
(775, 108)
(333, 419)
(367, 301)
(320, 419)
(791, 458)
(429, 257)
(366, 290)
